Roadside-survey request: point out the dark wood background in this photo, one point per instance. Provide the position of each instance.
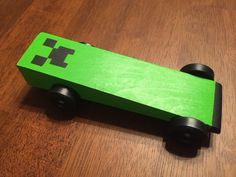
(102, 141)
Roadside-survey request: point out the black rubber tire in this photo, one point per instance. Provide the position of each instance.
(85, 43)
(64, 98)
(188, 131)
(199, 70)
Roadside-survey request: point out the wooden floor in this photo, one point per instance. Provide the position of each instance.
(102, 141)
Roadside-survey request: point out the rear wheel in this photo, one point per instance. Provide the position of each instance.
(199, 70)
(188, 131)
(64, 98)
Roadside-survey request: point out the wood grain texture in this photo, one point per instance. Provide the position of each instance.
(102, 141)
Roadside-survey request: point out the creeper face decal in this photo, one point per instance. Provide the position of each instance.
(57, 56)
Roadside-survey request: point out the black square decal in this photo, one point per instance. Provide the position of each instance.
(38, 60)
(50, 43)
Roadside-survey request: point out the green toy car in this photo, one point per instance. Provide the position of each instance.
(189, 99)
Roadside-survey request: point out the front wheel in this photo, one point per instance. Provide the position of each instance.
(63, 98)
(86, 43)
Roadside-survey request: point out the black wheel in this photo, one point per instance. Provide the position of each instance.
(188, 131)
(64, 98)
(85, 43)
(199, 70)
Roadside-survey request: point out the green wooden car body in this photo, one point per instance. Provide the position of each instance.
(112, 79)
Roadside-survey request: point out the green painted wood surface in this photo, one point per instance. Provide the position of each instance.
(120, 81)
